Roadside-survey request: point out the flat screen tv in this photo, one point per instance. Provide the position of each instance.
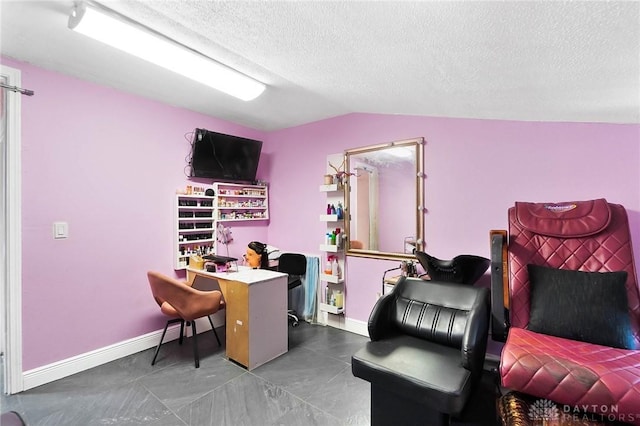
(224, 157)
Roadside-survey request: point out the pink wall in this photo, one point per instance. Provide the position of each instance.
(476, 170)
(109, 163)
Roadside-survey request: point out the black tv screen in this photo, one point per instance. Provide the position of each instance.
(224, 157)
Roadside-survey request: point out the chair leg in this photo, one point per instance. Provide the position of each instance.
(195, 344)
(172, 321)
(214, 330)
(181, 331)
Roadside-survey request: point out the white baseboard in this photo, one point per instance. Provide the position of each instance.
(347, 324)
(67, 367)
(357, 326)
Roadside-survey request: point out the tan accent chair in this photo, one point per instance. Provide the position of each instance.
(181, 303)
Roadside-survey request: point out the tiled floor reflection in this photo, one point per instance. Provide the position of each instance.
(312, 384)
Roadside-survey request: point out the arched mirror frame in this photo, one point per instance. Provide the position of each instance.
(419, 198)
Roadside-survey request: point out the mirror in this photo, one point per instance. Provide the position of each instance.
(384, 199)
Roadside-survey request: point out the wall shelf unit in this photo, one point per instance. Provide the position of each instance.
(332, 290)
(238, 202)
(197, 216)
(194, 230)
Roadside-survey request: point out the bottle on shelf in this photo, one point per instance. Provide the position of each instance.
(328, 269)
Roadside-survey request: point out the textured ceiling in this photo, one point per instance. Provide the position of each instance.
(535, 61)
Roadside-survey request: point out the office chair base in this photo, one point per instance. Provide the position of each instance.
(291, 315)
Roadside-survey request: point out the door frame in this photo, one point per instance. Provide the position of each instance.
(11, 220)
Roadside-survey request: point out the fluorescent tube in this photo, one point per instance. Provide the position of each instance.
(160, 51)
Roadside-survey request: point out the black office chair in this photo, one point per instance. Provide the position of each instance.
(295, 265)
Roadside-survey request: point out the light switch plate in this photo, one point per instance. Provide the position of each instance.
(60, 230)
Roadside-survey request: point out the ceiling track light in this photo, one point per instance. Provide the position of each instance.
(161, 51)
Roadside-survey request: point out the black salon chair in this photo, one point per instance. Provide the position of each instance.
(463, 269)
(426, 352)
(295, 265)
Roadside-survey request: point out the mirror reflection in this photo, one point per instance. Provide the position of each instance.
(385, 199)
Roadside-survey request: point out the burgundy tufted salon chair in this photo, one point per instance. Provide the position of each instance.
(565, 299)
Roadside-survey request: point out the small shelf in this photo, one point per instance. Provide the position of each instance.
(242, 220)
(196, 197)
(330, 188)
(195, 207)
(331, 248)
(183, 242)
(241, 196)
(241, 208)
(331, 279)
(329, 218)
(330, 309)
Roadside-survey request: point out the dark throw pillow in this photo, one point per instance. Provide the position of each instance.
(587, 306)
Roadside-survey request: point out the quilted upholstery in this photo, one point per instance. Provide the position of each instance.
(573, 373)
(605, 251)
(566, 371)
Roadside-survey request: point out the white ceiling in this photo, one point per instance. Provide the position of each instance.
(534, 61)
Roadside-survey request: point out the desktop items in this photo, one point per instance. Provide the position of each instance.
(196, 261)
(216, 263)
(256, 255)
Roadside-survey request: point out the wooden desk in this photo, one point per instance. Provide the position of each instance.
(256, 305)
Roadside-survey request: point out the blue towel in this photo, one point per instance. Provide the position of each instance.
(310, 285)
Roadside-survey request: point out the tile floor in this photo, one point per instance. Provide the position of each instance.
(312, 384)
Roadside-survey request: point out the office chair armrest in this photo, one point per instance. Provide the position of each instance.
(499, 286)
(380, 323)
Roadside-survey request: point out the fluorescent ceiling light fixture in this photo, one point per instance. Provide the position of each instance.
(161, 51)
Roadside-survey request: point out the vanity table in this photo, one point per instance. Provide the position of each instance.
(256, 317)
